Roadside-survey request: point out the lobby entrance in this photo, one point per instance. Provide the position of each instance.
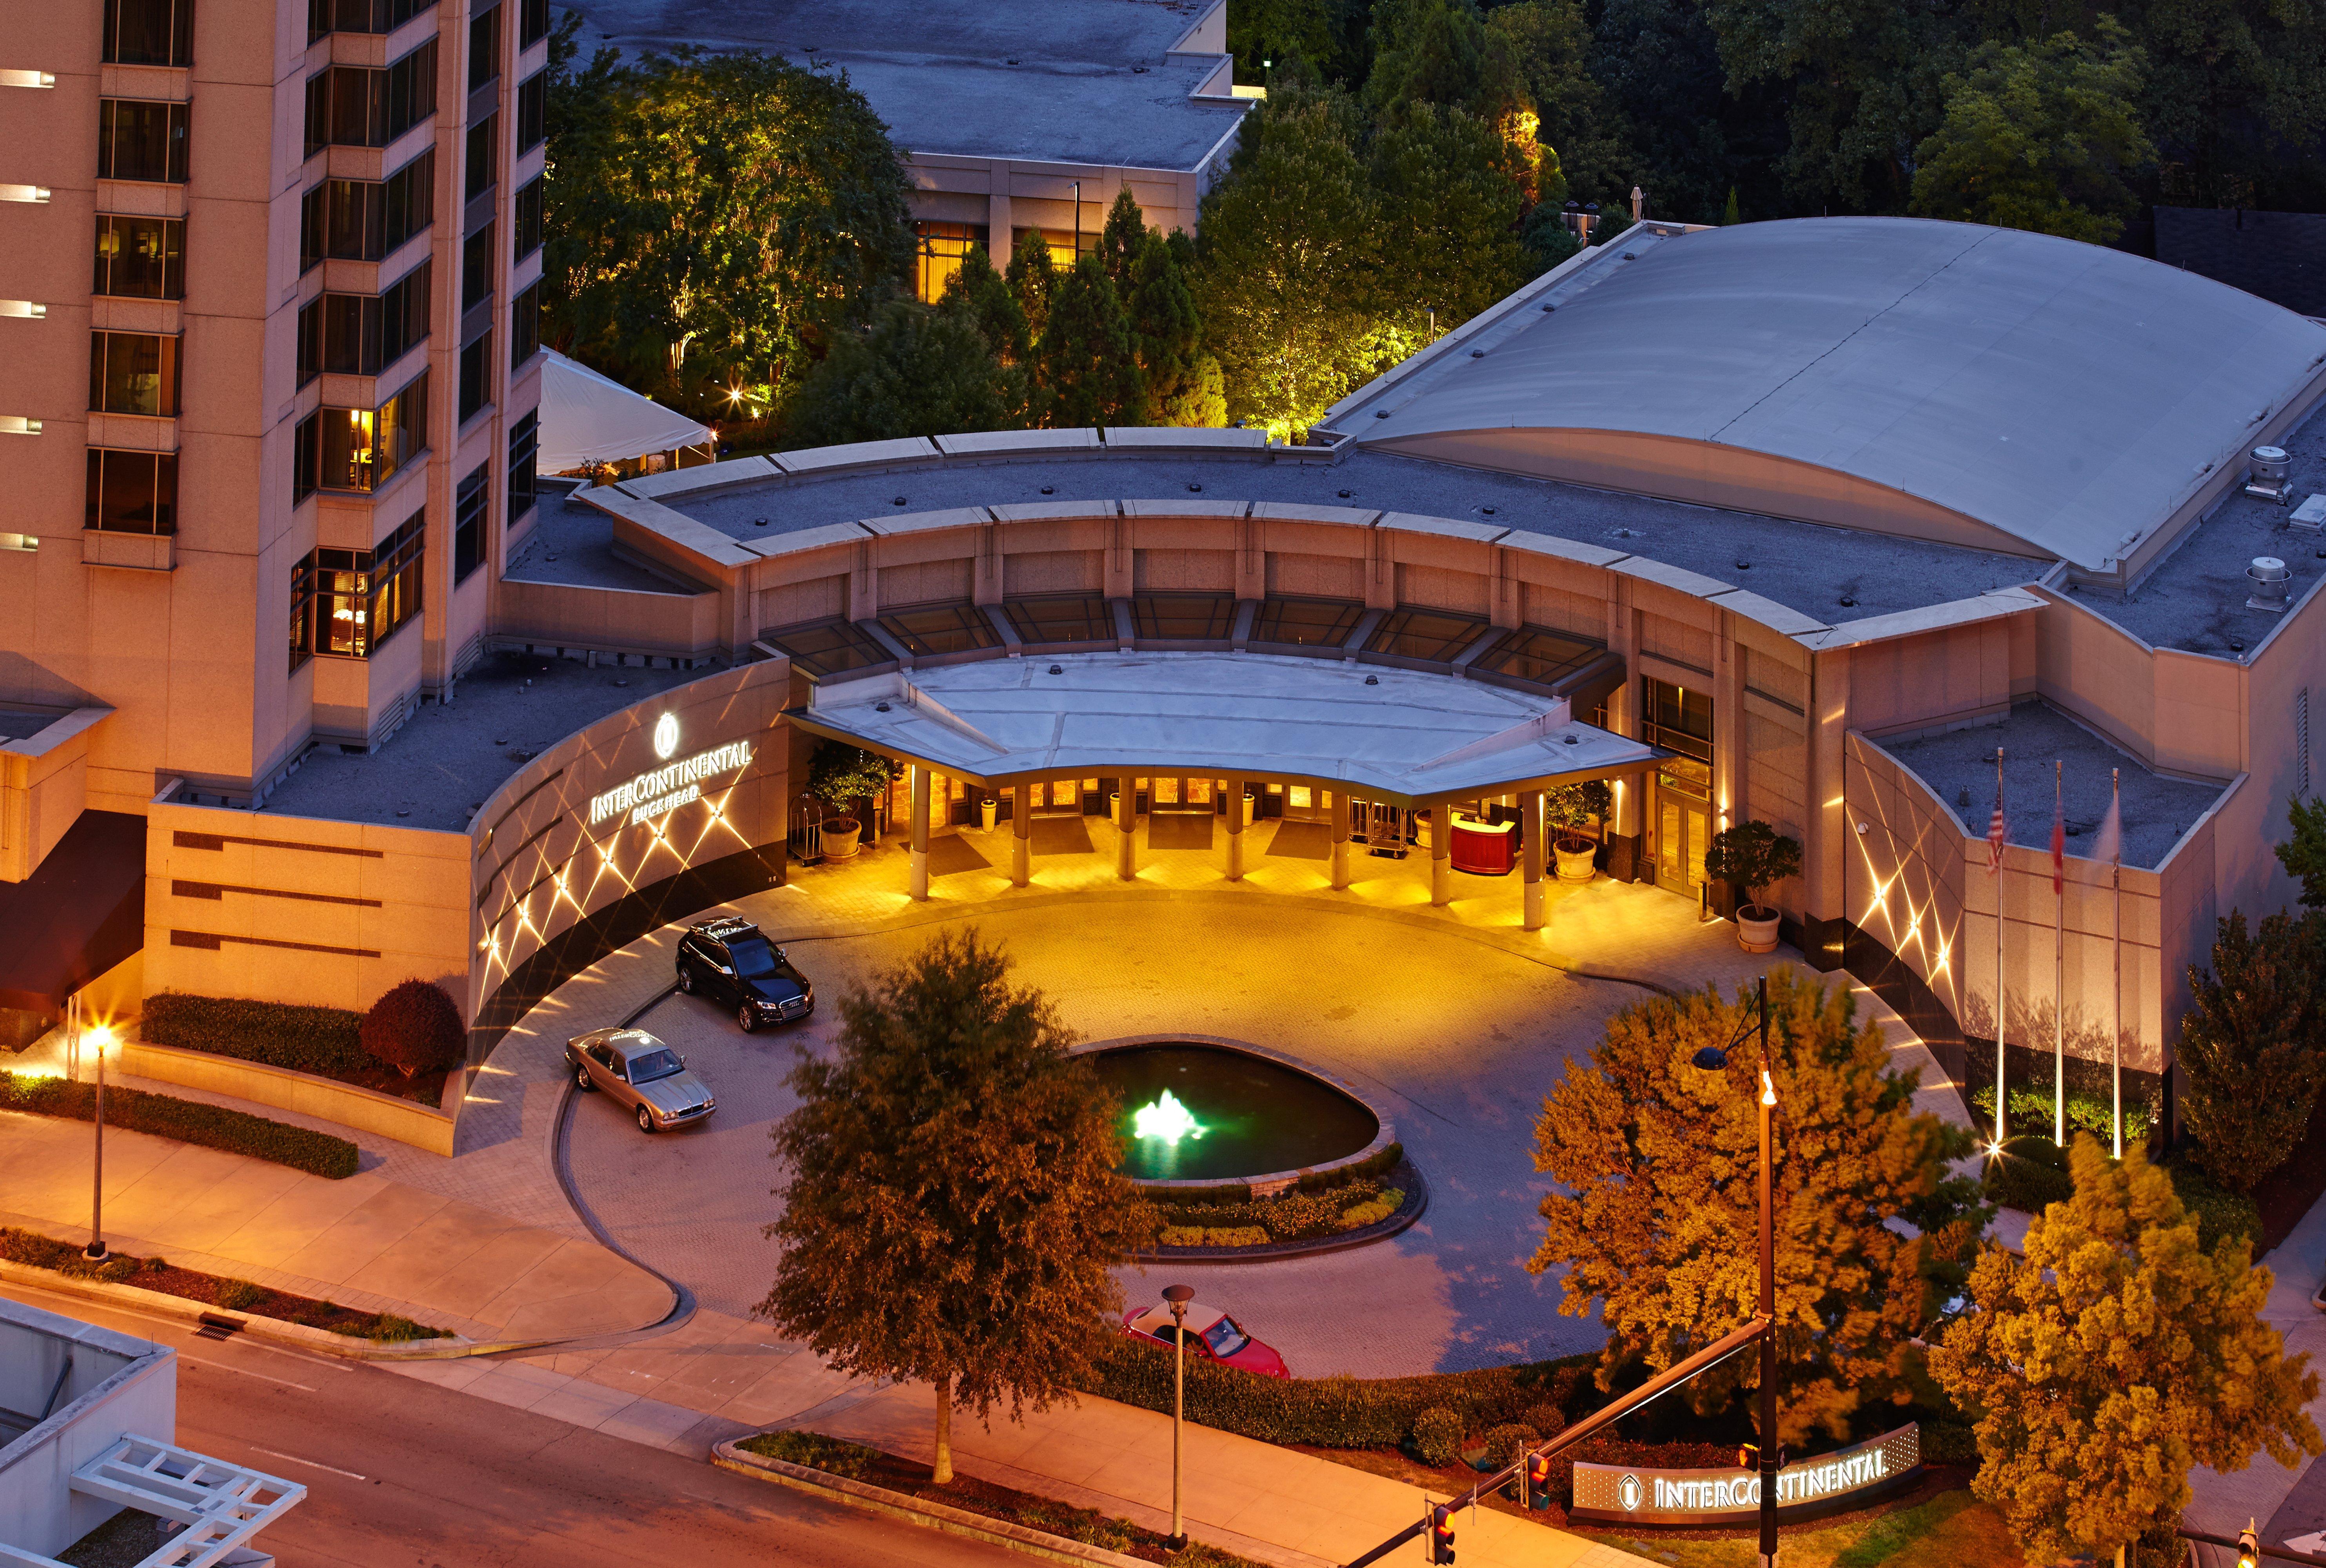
(1678, 719)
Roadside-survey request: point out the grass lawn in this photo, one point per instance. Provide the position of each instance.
(1945, 1529)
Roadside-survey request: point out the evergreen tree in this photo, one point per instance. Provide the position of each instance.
(1119, 241)
(1429, 51)
(982, 297)
(2113, 1358)
(1088, 368)
(1032, 279)
(1656, 1217)
(952, 1213)
(1182, 381)
(916, 371)
(2253, 1047)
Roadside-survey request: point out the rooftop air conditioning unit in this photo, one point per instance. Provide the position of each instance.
(2269, 578)
(2311, 513)
(2269, 475)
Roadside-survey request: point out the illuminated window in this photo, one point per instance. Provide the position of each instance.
(133, 373)
(142, 258)
(355, 448)
(941, 246)
(346, 603)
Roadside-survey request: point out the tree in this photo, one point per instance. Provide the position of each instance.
(414, 1027)
(951, 1212)
(1449, 198)
(1119, 241)
(981, 296)
(840, 776)
(2250, 1047)
(1182, 381)
(2039, 137)
(916, 372)
(1430, 51)
(1286, 282)
(1752, 855)
(1577, 806)
(1538, 89)
(715, 219)
(1089, 373)
(1656, 1219)
(2303, 855)
(2113, 1358)
(1031, 280)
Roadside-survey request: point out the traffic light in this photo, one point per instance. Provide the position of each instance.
(1441, 1534)
(2248, 1545)
(1537, 1479)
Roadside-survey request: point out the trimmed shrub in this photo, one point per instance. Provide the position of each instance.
(1213, 1236)
(814, 1449)
(2031, 1174)
(1380, 1163)
(415, 1028)
(212, 1126)
(2088, 1111)
(1436, 1436)
(1373, 1210)
(319, 1040)
(1503, 1443)
(2218, 1211)
(1548, 1420)
(239, 1296)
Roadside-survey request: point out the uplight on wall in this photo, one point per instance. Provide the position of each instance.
(27, 309)
(28, 78)
(23, 193)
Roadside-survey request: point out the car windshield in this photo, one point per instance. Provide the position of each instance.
(654, 1065)
(754, 961)
(1224, 1338)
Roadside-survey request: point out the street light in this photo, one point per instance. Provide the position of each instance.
(1178, 1296)
(94, 1251)
(1715, 1059)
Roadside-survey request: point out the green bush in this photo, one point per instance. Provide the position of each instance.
(319, 1040)
(1331, 1412)
(1372, 1211)
(211, 1127)
(238, 1295)
(2218, 1211)
(1296, 1215)
(2088, 1111)
(1548, 1420)
(2030, 1175)
(1436, 1436)
(814, 1450)
(1504, 1443)
(414, 1027)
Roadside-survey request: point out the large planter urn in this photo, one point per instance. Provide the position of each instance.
(1575, 857)
(1757, 928)
(840, 837)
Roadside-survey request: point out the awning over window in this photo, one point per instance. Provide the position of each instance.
(81, 912)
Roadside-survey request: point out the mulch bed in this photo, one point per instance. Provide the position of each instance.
(231, 1296)
(2288, 1193)
(425, 1088)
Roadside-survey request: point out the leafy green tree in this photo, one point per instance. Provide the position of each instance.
(2236, 99)
(2303, 855)
(1449, 210)
(1119, 240)
(1539, 94)
(1689, 133)
(2250, 1052)
(1431, 52)
(2039, 137)
(1182, 381)
(952, 1213)
(1279, 31)
(1287, 281)
(1089, 371)
(2113, 1358)
(715, 219)
(916, 372)
(1032, 279)
(1656, 1219)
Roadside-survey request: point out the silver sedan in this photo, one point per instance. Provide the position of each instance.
(642, 1073)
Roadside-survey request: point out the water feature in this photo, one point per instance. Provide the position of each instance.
(1195, 1112)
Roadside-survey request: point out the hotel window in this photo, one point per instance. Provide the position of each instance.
(355, 599)
(363, 334)
(473, 500)
(532, 104)
(132, 492)
(138, 139)
(533, 22)
(528, 219)
(941, 246)
(149, 32)
(477, 267)
(484, 47)
(484, 148)
(142, 258)
(524, 324)
(364, 220)
(359, 449)
(525, 448)
(325, 17)
(350, 106)
(476, 375)
(133, 373)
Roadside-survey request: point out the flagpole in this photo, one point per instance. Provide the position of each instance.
(2116, 926)
(2059, 959)
(1994, 850)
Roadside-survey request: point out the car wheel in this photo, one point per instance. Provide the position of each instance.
(583, 1081)
(646, 1120)
(744, 1016)
(686, 980)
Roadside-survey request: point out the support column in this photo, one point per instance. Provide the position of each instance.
(1126, 829)
(1441, 854)
(1340, 841)
(1021, 839)
(920, 875)
(1236, 787)
(1530, 849)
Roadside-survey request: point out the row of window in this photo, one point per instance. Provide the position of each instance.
(347, 602)
(148, 32)
(366, 220)
(350, 106)
(133, 373)
(357, 449)
(325, 17)
(362, 334)
(141, 139)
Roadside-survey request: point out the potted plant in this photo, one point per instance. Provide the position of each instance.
(840, 777)
(1572, 808)
(1751, 856)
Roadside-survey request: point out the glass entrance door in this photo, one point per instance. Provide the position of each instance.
(1307, 803)
(1679, 720)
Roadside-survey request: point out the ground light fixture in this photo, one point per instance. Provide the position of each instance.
(1178, 1296)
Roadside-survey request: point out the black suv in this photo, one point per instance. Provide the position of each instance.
(728, 961)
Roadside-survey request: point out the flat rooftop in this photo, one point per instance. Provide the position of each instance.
(2195, 598)
(1394, 733)
(1958, 765)
(449, 757)
(572, 546)
(1804, 566)
(1073, 81)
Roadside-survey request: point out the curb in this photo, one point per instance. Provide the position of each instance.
(920, 1511)
(1417, 1200)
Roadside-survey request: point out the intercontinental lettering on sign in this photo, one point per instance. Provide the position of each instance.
(1629, 1492)
(1799, 1484)
(663, 790)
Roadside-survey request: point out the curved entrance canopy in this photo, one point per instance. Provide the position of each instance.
(1404, 737)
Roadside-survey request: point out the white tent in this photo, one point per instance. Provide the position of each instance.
(587, 418)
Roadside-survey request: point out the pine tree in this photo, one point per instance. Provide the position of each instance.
(2113, 1357)
(982, 297)
(951, 1214)
(916, 371)
(2251, 1046)
(1168, 341)
(1032, 280)
(1089, 370)
(1118, 242)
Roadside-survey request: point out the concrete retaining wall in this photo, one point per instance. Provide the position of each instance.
(343, 1104)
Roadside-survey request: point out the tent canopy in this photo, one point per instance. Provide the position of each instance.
(589, 418)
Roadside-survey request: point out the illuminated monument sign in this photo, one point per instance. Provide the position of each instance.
(663, 789)
(1844, 1479)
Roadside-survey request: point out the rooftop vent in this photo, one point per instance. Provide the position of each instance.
(2269, 576)
(2311, 513)
(2268, 475)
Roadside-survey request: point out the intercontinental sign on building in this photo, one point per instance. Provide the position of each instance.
(663, 789)
(1829, 1482)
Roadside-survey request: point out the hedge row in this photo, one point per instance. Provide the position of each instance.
(1333, 1412)
(189, 1122)
(2088, 1111)
(319, 1040)
(1228, 1193)
(1293, 1216)
(2033, 1174)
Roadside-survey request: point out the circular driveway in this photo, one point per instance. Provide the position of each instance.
(1459, 1038)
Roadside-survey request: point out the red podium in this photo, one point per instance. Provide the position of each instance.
(1483, 848)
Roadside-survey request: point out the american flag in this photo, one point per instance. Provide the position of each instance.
(2059, 833)
(1998, 831)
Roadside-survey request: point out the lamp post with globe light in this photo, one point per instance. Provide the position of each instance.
(101, 1037)
(1178, 1296)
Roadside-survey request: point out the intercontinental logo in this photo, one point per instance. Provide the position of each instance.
(663, 789)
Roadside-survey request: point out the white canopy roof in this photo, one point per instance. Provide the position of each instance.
(589, 418)
(1412, 737)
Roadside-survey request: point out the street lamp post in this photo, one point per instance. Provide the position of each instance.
(1178, 1296)
(1715, 1059)
(96, 1250)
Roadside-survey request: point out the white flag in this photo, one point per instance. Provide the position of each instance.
(2107, 844)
